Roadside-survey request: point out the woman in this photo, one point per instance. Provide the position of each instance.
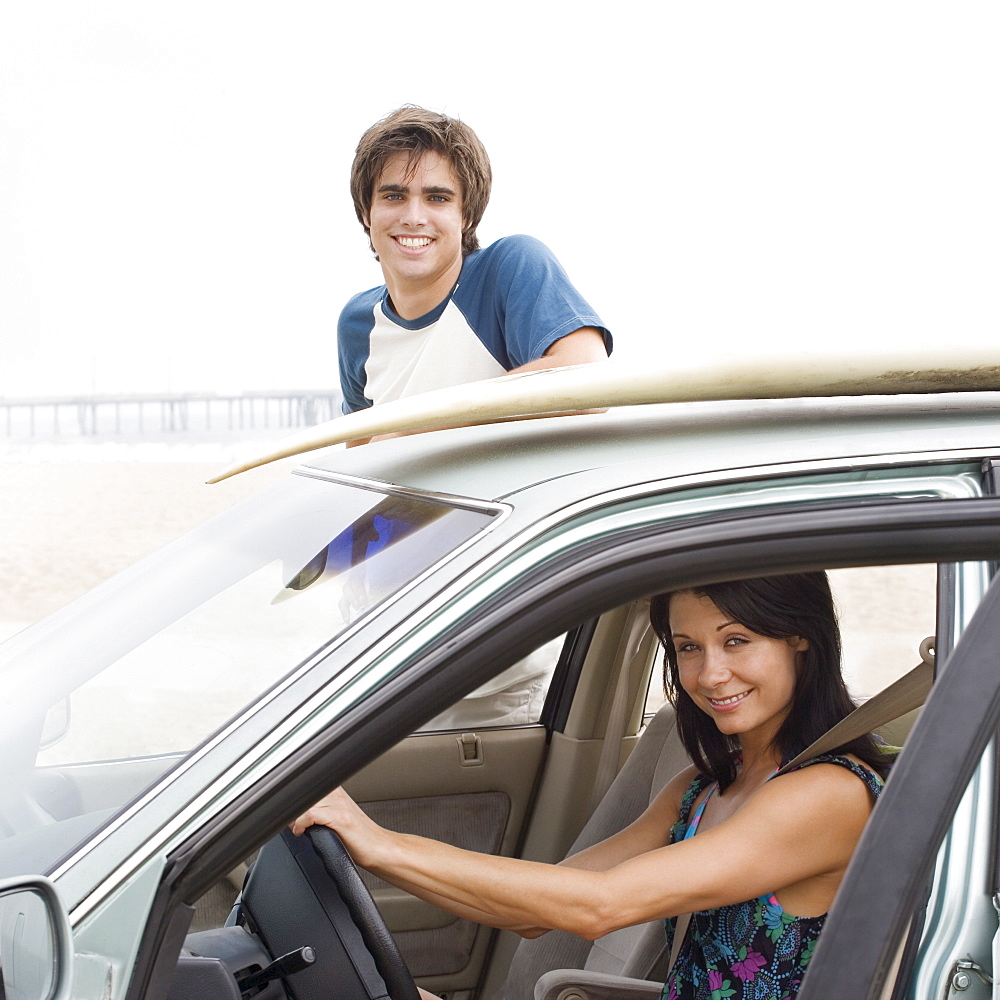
(753, 670)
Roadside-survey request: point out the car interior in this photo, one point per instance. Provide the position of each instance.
(579, 742)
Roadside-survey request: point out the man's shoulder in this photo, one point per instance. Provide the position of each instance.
(364, 300)
(507, 247)
(508, 264)
(357, 319)
(357, 316)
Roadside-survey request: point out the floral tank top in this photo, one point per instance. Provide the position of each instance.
(745, 951)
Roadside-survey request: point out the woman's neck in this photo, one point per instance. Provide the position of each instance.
(759, 760)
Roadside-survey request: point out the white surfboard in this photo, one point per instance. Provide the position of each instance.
(608, 384)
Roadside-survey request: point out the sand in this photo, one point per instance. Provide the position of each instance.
(66, 526)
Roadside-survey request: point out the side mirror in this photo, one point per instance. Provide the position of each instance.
(36, 953)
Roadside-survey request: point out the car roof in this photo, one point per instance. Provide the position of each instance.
(610, 384)
(629, 445)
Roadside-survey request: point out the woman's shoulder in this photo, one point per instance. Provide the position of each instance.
(829, 789)
(837, 767)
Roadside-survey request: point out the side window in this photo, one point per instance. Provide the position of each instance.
(513, 698)
(885, 613)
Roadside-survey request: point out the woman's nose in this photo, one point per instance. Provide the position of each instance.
(714, 670)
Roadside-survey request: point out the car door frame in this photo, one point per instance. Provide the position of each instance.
(569, 586)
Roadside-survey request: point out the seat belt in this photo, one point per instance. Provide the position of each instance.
(900, 697)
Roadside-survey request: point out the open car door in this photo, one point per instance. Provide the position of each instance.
(936, 807)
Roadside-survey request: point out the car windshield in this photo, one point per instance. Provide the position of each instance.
(105, 696)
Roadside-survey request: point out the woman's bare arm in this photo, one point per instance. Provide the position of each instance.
(651, 830)
(801, 826)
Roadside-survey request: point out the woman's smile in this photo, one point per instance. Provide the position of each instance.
(728, 704)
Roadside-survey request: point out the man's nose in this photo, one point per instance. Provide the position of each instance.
(414, 213)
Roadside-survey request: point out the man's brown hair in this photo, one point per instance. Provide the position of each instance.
(415, 131)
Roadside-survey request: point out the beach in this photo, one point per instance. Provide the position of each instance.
(72, 517)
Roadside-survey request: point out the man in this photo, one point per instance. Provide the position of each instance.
(448, 312)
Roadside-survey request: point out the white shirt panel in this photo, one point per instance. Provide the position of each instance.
(405, 362)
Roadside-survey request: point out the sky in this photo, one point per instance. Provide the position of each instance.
(716, 177)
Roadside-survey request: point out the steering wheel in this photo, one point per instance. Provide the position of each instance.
(364, 913)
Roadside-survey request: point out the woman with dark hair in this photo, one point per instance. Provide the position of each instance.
(753, 670)
(778, 607)
(709, 637)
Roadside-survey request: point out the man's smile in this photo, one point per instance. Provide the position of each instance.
(413, 242)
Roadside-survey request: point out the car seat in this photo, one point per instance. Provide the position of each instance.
(637, 952)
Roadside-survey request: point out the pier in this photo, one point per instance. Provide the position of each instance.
(131, 415)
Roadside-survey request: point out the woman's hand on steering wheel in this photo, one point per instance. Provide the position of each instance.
(341, 813)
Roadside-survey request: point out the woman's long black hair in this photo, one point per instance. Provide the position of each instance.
(779, 607)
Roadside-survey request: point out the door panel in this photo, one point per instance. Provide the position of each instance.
(473, 793)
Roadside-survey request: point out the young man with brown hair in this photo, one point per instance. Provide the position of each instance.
(449, 312)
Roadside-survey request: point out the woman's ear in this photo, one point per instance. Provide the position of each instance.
(799, 646)
(799, 643)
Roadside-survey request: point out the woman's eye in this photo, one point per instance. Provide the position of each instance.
(686, 647)
(735, 640)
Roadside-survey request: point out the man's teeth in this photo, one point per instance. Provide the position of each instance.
(414, 242)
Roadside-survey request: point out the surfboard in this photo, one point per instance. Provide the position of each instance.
(611, 383)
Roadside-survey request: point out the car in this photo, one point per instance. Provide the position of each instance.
(453, 624)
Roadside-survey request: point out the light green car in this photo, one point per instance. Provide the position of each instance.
(453, 624)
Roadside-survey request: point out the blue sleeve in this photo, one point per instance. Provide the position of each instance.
(519, 300)
(354, 330)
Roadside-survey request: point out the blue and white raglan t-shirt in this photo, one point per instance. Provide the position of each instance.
(512, 301)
